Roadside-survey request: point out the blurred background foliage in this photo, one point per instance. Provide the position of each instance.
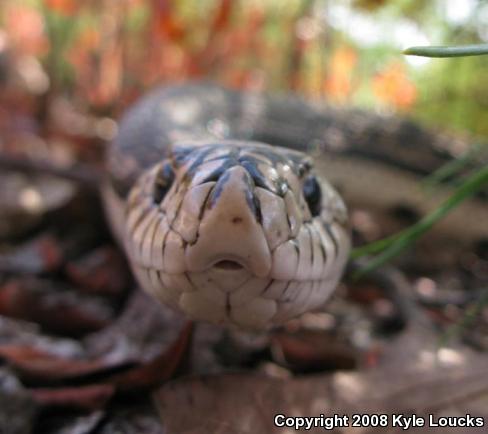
(102, 54)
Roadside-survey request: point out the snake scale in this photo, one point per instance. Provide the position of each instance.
(223, 200)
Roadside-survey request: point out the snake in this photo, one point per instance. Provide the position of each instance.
(226, 202)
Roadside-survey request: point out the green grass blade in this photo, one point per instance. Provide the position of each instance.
(374, 247)
(392, 246)
(447, 51)
(452, 167)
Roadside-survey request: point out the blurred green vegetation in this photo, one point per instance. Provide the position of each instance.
(104, 53)
(455, 94)
(387, 248)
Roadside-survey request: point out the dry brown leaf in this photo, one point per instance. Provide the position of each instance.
(412, 377)
(36, 365)
(81, 398)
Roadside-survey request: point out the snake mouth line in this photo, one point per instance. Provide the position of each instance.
(270, 278)
(228, 265)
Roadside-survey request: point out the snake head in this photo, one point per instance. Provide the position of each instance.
(237, 232)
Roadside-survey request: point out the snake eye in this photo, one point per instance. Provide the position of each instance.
(312, 194)
(163, 182)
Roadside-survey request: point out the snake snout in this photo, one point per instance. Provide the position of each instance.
(230, 235)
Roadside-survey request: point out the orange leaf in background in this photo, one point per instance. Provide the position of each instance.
(338, 84)
(87, 42)
(81, 55)
(97, 67)
(106, 88)
(165, 23)
(63, 7)
(393, 87)
(222, 16)
(25, 29)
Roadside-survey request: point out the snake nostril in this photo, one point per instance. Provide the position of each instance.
(228, 265)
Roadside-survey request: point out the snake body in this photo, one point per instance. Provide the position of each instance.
(221, 202)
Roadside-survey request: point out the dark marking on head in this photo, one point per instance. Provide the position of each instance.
(224, 152)
(313, 195)
(145, 233)
(163, 182)
(155, 228)
(303, 167)
(286, 290)
(324, 254)
(267, 286)
(333, 238)
(296, 245)
(200, 216)
(258, 177)
(255, 206)
(163, 247)
(217, 190)
(251, 159)
(197, 162)
(139, 220)
(251, 199)
(188, 280)
(310, 236)
(217, 173)
(288, 221)
(236, 220)
(181, 154)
